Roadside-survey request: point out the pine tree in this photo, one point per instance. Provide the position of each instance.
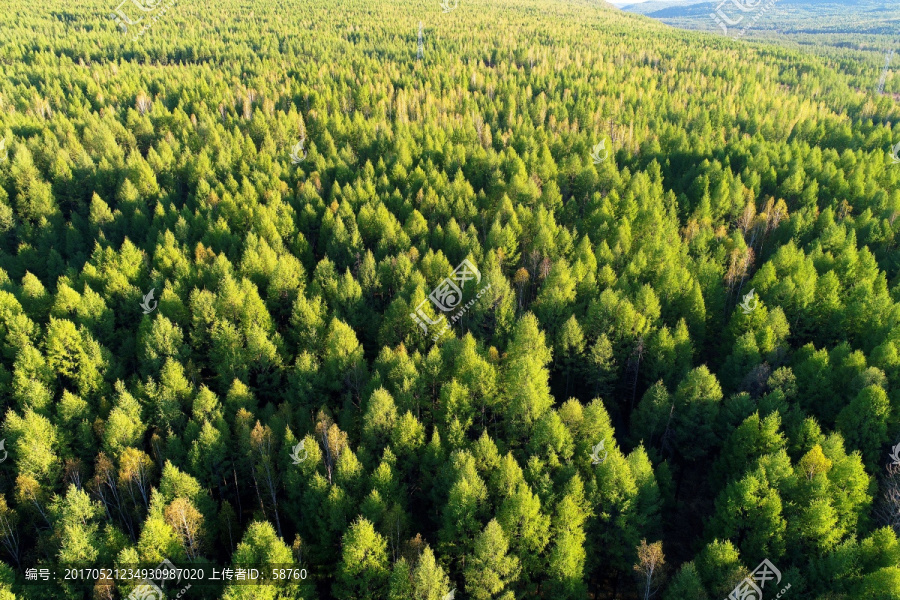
(491, 569)
(363, 570)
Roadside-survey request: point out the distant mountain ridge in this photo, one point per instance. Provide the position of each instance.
(871, 16)
(654, 6)
(689, 6)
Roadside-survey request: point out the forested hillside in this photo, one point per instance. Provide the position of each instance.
(853, 35)
(679, 354)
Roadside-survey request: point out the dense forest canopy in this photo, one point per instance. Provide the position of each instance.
(680, 357)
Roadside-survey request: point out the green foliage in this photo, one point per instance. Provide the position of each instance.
(491, 569)
(602, 385)
(363, 570)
